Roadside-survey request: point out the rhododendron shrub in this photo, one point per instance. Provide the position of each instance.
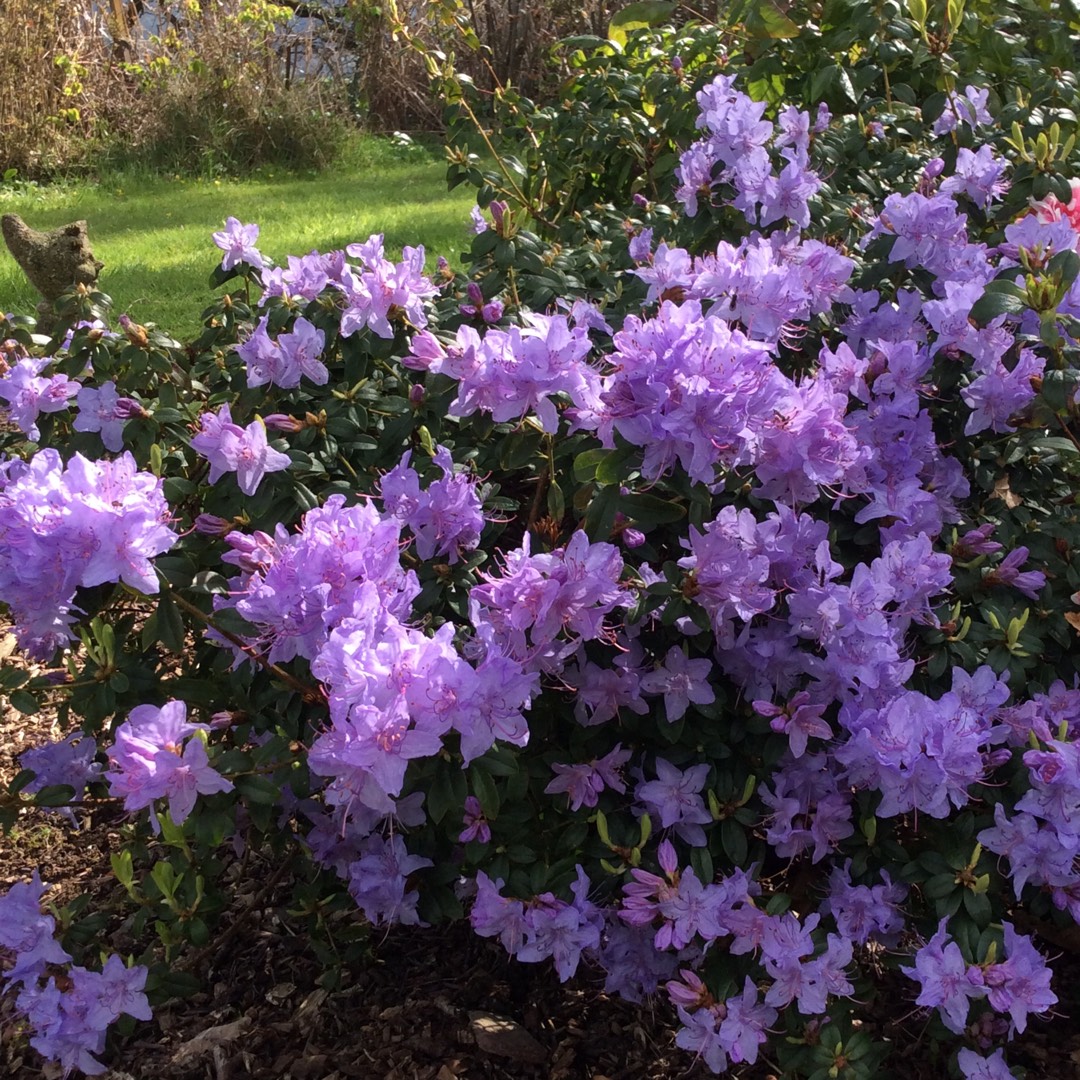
(706, 636)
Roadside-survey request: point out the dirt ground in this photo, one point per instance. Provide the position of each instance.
(431, 1004)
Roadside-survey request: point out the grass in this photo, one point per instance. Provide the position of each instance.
(153, 232)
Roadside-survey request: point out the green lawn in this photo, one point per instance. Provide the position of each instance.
(153, 233)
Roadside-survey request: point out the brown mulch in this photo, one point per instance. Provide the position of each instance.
(428, 1004)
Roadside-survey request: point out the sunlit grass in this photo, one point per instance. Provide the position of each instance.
(153, 233)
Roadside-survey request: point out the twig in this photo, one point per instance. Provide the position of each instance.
(310, 694)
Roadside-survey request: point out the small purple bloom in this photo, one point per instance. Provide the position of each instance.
(98, 411)
(975, 1067)
(479, 222)
(238, 243)
(1008, 572)
(681, 681)
(231, 448)
(674, 799)
(583, 783)
(28, 393)
(943, 974)
(476, 826)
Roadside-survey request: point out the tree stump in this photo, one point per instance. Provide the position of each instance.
(53, 261)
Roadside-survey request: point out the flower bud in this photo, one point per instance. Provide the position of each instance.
(212, 525)
(283, 422)
(135, 333)
(129, 409)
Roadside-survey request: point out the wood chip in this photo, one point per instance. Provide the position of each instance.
(505, 1038)
(207, 1040)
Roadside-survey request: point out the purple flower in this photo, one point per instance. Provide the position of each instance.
(1021, 983)
(863, 911)
(479, 222)
(82, 524)
(98, 411)
(744, 1028)
(975, 542)
(975, 1067)
(238, 243)
(151, 761)
(379, 289)
(252, 457)
(446, 519)
(27, 932)
(700, 1033)
(945, 979)
(641, 246)
(539, 597)
(379, 881)
(300, 352)
(997, 394)
(1007, 572)
(231, 448)
(476, 826)
(118, 989)
(28, 394)
(673, 799)
(489, 312)
(681, 681)
(584, 783)
(208, 442)
(69, 762)
(510, 373)
(560, 931)
(799, 720)
(969, 109)
(979, 175)
(494, 915)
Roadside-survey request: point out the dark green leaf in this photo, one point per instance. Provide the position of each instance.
(24, 701)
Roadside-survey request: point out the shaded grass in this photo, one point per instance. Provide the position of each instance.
(153, 233)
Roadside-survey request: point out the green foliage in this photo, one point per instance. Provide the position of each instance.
(624, 114)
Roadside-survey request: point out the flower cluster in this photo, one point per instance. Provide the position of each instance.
(513, 373)
(159, 754)
(536, 598)
(378, 292)
(284, 361)
(29, 394)
(69, 1024)
(735, 152)
(242, 450)
(446, 518)
(66, 526)
(1018, 985)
